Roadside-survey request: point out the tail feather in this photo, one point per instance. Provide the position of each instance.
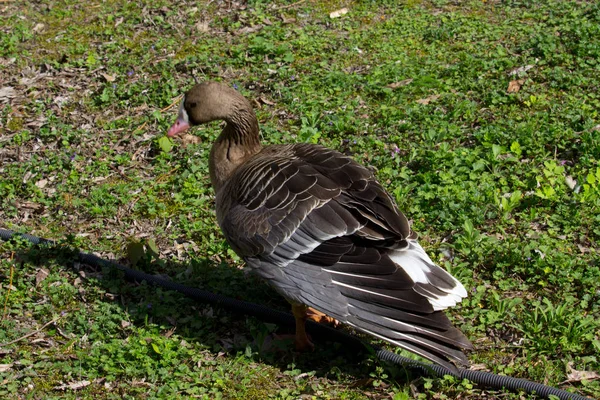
(396, 329)
(432, 351)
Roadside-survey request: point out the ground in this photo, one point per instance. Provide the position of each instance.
(480, 117)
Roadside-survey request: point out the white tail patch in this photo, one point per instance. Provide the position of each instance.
(417, 264)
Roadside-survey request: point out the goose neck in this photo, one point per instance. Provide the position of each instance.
(238, 142)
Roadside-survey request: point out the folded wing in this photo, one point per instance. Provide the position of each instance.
(320, 229)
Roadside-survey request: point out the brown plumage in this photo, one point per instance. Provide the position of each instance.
(324, 233)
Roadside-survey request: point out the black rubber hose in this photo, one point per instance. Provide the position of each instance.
(482, 378)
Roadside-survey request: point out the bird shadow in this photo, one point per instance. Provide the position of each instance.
(221, 331)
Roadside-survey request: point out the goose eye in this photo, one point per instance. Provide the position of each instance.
(192, 105)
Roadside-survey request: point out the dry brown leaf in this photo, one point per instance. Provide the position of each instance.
(287, 20)
(364, 382)
(170, 332)
(571, 183)
(41, 275)
(187, 139)
(41, 120)
(520, 70)
(41, 183)
(267, 102)
(429, 99)
(574, 375)
(39, 27)
(43, 342)
(7, 93)
(478, 367)
(109, 78)
(400, 84)
(248, 30)
(5, 367)
(30, 205)
(60, 100)
(338, 13)
(99, 179)
(202, 26)
(515, 86)
(141, 382)
(4, 61)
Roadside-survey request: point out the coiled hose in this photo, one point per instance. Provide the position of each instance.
(481, 378)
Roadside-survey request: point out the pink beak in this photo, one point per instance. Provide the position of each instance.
(181, 125)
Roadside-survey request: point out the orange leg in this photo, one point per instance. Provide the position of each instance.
(301, 340)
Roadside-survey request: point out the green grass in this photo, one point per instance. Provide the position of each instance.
(485, 175)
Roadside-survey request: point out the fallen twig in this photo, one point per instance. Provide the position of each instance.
(172, 104)
(31, 333)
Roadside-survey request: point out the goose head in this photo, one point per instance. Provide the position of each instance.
(239, 140)
(206, 102)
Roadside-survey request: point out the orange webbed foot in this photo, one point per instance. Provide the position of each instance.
(320, 318)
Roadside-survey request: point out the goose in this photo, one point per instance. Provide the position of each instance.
(324, 233)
